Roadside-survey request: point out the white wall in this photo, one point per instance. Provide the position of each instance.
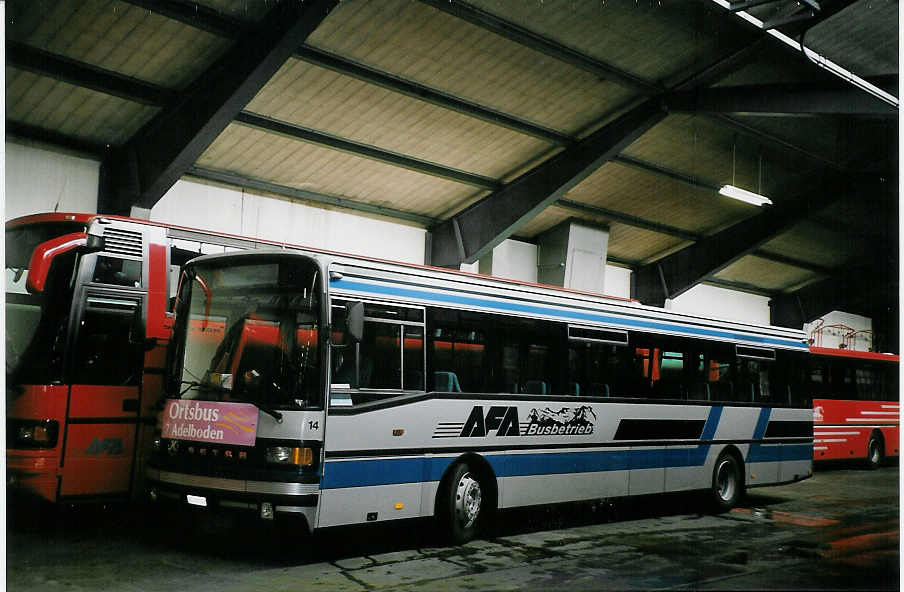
(719, 303)
(222, 209)
(42, 181)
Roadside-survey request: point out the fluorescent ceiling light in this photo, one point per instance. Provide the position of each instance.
(744, 195)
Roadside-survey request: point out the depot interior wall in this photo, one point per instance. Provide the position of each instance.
(720, 303)
(38, 180)
(233, 211)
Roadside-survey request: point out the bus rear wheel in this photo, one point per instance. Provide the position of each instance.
(875, 453)
(463, 505)
(727, 484)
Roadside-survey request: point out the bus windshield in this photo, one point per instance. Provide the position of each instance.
(36, 323)
(250, 333)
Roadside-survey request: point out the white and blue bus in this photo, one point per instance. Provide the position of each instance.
(347, 390)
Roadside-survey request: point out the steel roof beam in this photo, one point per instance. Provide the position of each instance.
(142, 171)
(513, 32)
(305, 195)
(84, 75)
(427, 94)
(196, 15)
(673, 275)
(764, 136)
(472, 233)
(37, 134)
(662, 171)
(628, 220)
(781, 100)
(365, 150)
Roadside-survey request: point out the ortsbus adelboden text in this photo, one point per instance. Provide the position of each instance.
(855, 405)
(345, 390)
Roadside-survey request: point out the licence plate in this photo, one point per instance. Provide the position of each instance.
(196, 500)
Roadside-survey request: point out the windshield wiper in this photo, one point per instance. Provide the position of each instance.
(232, 398)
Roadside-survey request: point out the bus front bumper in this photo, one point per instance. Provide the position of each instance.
(264, 497)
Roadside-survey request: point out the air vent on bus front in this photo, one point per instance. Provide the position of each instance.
(124, 242)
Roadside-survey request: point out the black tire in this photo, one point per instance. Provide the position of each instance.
(875, 452)
(727, 483)
(463, 505)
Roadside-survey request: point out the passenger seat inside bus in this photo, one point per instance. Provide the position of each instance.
(536, 387)
(446, 382)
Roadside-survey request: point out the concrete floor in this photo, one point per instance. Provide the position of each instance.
(838, 530)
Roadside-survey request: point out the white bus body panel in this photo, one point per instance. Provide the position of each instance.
(616, 453)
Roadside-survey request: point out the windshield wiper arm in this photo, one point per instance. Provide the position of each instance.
(271, 412)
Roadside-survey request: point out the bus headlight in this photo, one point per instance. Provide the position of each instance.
(286, 455)
(32, 433)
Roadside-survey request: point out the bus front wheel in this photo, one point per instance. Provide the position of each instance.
(463, 504)
(728, 483)
(874, 452)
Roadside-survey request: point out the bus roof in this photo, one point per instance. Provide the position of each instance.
(854, 354)
(87, 218)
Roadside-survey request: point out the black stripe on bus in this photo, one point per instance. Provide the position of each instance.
(392, 452)
(659, 429)
(789, 429)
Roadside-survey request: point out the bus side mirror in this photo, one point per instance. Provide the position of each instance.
(354, 320)
(44, 254)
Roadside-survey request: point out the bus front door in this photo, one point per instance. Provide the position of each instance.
(104, 400)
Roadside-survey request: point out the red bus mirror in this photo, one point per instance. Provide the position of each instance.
(44, 254)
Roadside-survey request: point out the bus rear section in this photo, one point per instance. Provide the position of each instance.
(83, 296)
(855, 405)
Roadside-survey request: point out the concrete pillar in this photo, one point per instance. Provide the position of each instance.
(573, 255)
(513, 260)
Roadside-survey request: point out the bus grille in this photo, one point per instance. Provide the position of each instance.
(124, 242)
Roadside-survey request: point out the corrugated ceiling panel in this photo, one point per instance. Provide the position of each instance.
(421, 43)
(658, 198)
(625, 242)
(636, 244)
(120, 37)
(320, 99)
(699, 146)
(765, 274)
(547, 219)
(819, 135)
(301, 165)
(862, 38)
(617, 33)
(74, 111)
(808, 241)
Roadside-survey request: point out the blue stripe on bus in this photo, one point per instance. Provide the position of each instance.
(449, 298)
(774, 452)
(393, 471)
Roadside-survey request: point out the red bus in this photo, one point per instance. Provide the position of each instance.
(87, 324)
(855, 405)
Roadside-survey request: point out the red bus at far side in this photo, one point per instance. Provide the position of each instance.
(855, 405)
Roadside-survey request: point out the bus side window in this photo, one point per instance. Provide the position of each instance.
(459, 359)
(391, 354)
